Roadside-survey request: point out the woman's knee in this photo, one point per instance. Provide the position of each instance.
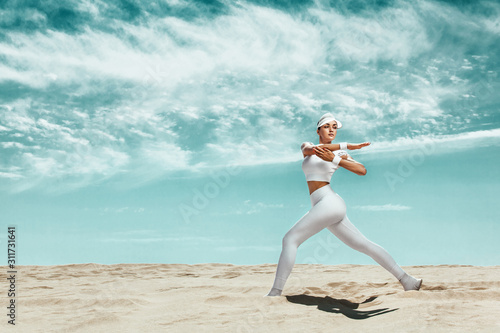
(290, 240)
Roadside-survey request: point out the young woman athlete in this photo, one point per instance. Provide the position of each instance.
(328, 208)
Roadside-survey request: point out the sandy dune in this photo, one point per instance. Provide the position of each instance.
(228, 298)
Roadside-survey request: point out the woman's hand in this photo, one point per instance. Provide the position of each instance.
(353, 146)
(323, 153)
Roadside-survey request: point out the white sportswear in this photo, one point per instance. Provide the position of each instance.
(329, 211)
(315, 168)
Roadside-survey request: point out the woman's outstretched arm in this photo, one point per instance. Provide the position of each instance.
(350, 146)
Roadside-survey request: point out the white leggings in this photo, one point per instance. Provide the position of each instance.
(328, 211)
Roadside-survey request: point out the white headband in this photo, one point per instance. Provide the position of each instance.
(326, 118)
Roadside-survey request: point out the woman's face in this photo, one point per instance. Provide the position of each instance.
(328, 131)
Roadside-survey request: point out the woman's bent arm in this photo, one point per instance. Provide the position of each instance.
(353, 166)
(307, 148)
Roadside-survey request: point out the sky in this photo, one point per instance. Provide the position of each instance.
(170, 131)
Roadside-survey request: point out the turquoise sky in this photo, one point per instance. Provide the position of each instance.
(170, 131)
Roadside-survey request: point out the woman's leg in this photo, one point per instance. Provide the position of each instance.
(350, 235)
(320, 216)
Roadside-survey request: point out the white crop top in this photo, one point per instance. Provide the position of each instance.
(315, 168)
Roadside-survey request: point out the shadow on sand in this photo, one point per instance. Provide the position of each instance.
(347, 308)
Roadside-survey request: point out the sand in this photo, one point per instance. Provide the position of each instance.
(228, 298)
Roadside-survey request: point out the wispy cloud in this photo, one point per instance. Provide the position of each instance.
(10, 175)
(150, 239)
(248, 208)
(387, 207)
(154, 89)
(436, 144)
(248, 248)
(122, 210)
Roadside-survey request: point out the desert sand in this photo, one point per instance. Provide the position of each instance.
(229, 298)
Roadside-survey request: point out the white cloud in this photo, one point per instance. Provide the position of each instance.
(253, 80)
(124, 210)
(13, 145)
(248, 248)
(78, 168)
(248, 208)
(10, 175)
(396, 34)
(133, 240)
(20, 122)
(152, 236)
(165, 156)
(52, 127)
(252, 208)
(436, 144)
(40, 165)
(387, 207)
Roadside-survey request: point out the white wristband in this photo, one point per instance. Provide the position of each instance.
(343, 145)
(336, 161)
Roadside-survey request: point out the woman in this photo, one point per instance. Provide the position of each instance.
(328, 208)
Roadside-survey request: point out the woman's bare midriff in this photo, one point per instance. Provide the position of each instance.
(314, 185)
